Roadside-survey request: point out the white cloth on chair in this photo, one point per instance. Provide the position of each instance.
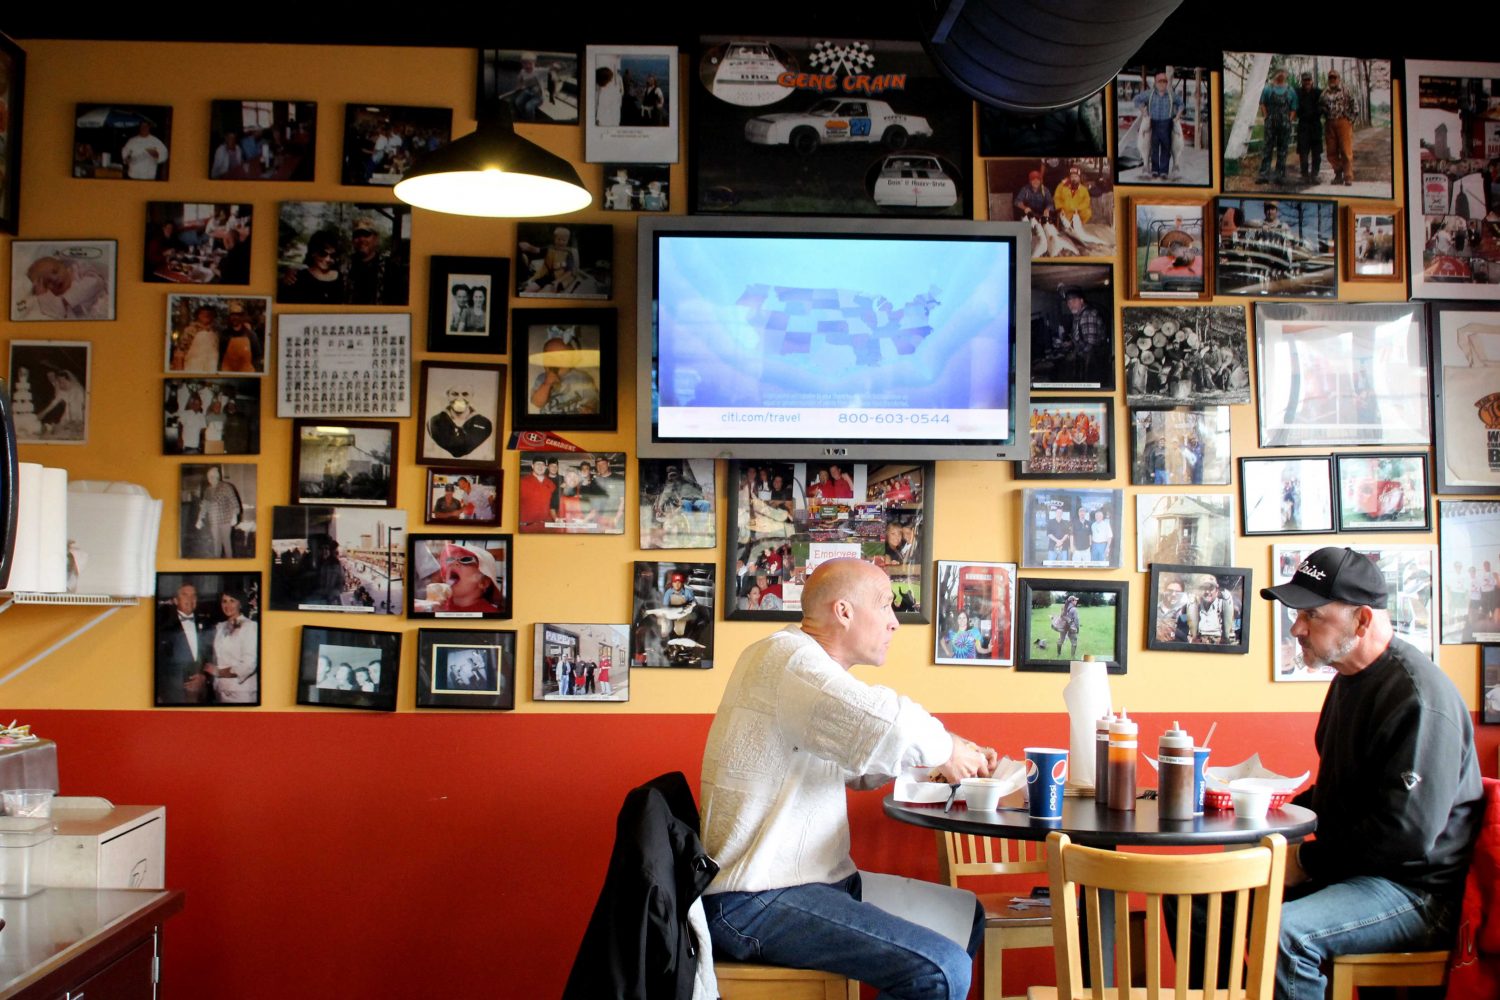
(940, 908)
(705, 983)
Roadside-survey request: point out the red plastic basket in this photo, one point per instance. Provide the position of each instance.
(1214, 798)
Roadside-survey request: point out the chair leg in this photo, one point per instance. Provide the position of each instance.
(1343, 983)
(851, 991)
(994, 979)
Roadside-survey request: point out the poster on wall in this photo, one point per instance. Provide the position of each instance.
(1466, 397)
(633, 114)
(819, 126)
(343, 365)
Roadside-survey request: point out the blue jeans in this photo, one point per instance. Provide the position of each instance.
(826, 926)
(1363, 914)
(1161, 146)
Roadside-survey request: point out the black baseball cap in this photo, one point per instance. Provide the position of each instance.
(1333, 573)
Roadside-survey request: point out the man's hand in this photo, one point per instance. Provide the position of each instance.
(969, 760)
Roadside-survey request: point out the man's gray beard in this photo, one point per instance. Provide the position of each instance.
(1342, 650)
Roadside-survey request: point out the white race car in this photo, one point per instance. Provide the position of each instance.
(914, 180)
(836, 120)
(748, 73)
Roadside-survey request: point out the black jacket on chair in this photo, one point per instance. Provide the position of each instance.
(637, 945)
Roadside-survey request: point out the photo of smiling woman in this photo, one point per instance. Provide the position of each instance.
(459, 577)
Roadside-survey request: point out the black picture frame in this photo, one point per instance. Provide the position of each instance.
(464, 326)
(377, 653)
(565, 260)
(348, 560)
(672, 614)
(1301, 489)
(1467, 451)
(462, 407)
(1489, 683)
(1293, 255)
(13, 84)
(478, 494)
(1035, 623)
(1371, 500)
(1180, 446)
(440, 566)
(466, 668)
(1185, 632)
(345, 462)
(883, 515)
(224, 669)
(580, 398)
(1056, 422)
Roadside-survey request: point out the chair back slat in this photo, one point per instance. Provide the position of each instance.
(1211, 938)
(962, 855)
(1237, 953)
(1096, 942)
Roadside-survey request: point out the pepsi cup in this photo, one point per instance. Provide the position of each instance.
(1046, 774)
(1200, 765)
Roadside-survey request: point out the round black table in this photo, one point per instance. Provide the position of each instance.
(1091, 824)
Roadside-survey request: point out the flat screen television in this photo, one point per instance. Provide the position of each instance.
(820, 338)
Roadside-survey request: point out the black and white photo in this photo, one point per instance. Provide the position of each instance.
(352, 462)
(216, 510)
(1185, 354)
(49, 390)
(62, 280)
(462, 413)
(348, 668)
(466, 304)
(343, 365)
(466, 668)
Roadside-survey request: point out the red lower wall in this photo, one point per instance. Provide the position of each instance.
(349, 854)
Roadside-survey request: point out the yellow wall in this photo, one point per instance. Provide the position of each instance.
(560, 578)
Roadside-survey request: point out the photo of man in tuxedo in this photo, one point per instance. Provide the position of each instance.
(183, 644)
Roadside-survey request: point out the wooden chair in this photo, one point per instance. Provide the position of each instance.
(1391, 968)
(746, 981)
(1252, 876)
(1005, 926)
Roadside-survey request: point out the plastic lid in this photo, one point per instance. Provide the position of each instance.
(1103, 723)
(1176, 737)
(1124, 724)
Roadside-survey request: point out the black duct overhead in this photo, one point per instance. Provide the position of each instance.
(1036, 55)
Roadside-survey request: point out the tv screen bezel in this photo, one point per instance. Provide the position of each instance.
(1012, 448)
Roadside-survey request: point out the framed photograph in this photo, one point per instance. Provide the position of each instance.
(1065, 620)
(343, 365)
(1199, 609)
(1466, 377)
(197, 243)
(1076, 130)
(348, 559)
(1078, 529)
(572, 493)
(1374, 245)
(1180, 354)
(216, 510)
(976, 614)
(575, 261)
(1285, 249)
(1069, 202)
(1164, 126)
(217, 334)
(572, 662)
(1383, 492)
(789, 517)
(1182, 446)
(677, 503)
(353, 462)
(1168, 249)
(1409, 573)
(466, 668)
(122, 141)
(1489, 682)
(462, 412)
(633, 112)
(1469, 534)
(207, 639)
(1072, 437)
(262, 140)
(12, 105)
(672, 615)
(637, 187)
(49, 390)
(459, 576)
(348, 668)
(211, 416)
(540, 87)
(1072, 326)
(1344, 374)
(1342, 141)
(463, 496)
(384, 141)
(563, 369)
(466, 299)
(1451, 178)
(793, 126)
(1286, 496)
(343, 253)
(1193, 529)
(66, 280)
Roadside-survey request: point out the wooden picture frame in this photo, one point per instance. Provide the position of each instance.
(1101, 624)
(466, 668)
(453, 576)
(1220, 624)
(1465, 409)
(573, 389)
(1287, 496)
(348, 668)
(345, 462)
(789, 516)
(462, 407)
(1386, 491)
(1072, 437)
(466, 304)
(13, 86)
(1170, 253)
(1374, 240)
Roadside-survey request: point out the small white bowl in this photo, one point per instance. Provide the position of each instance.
(982, 793)
(1250, 803)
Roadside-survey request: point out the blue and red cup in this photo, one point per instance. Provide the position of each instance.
(1046, 774)
(1200, 766)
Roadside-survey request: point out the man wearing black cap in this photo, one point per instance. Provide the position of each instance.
(1397, 794)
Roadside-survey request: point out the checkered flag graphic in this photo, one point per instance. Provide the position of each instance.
(853, 59)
